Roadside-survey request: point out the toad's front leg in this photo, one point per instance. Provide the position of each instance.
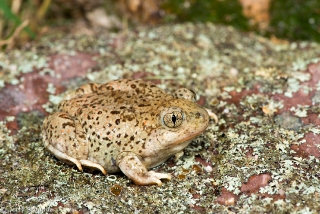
(131, 166)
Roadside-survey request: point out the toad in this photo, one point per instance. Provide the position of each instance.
(124, 125)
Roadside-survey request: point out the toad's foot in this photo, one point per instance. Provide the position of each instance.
(212, 115)
(70, 160)
(64, 157)
(93, 165)
(132, 167)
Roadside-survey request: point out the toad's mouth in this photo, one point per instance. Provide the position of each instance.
(185, 140)
(191, 137)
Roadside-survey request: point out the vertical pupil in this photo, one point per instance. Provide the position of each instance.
(174, 119)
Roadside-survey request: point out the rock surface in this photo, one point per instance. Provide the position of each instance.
(262, 156)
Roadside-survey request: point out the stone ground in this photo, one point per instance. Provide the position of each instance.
(262, 156)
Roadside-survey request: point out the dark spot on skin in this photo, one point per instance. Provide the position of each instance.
(105, 138)
(108, 132)
(142, 85)
(144, 105)
(144, 145)
(88, 117)
(125, 135)
(80, 90)
(80, 112)
(82, 136)
(128, 96)
(67, 124)
(97, 118)
(122, 107)
(128, 117)
(90, 126)
(93, 87)
(140, 151)
(97, 149)
(98, 136)
(119, 143)
(91, 145)
(133, 86)
(110, 88)
(109, 144)
(117, 121)
(99, 112)
(132, 138)
(137, 142)
(99, 102)
(94, 100)
(115, 112)
(118, 135)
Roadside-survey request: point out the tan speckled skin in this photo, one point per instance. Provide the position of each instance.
(119, 126)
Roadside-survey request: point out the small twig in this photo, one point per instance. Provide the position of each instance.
(16, 32)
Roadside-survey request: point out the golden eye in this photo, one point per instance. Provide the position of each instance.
(173, 119)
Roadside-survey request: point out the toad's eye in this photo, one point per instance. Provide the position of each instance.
(173, 119)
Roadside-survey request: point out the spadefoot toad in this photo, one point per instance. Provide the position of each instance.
(123, 125)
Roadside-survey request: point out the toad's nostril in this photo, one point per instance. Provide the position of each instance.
(198, 115)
